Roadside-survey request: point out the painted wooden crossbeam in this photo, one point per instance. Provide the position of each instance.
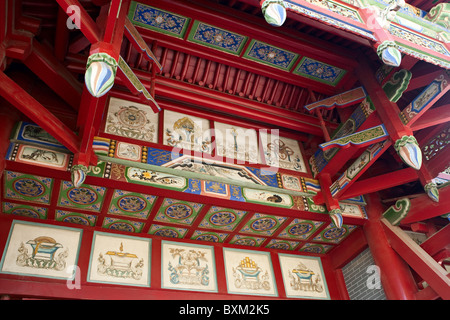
(139, 44)
(395, 213)
(358, 167)
(425, 100)
(341, 100)
(358, 139)
(135, 85)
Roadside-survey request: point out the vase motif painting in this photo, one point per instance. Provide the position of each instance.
(188, 267)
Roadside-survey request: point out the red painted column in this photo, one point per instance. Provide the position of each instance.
(396, 277)
(8, 118)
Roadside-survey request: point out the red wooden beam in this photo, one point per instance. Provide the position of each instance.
(381, 182)
(44, 64)
(387, 110)
(418, 259)
(423, 208)
(84, 22)
(432, 117)
(37, 113)
(438, 241)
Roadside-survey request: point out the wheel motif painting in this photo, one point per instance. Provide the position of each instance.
(300, 229)
(178, 211)
(132, 203)
(82, 196)
(334, 233)
(222, 218)
(132, 117)
(263, 224)
(29, 187)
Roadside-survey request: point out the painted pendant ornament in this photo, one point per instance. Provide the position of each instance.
(78, 174)
(336, 217)
(409, 151)
(432, 191)
(389, 54)
(274, 12)
(100, 73)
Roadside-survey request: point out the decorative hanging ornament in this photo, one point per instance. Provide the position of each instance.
(432, 191)
(336, 217)
(100, 73)
(409, 151)
(274, 12)
(78, 174)
(389, 54)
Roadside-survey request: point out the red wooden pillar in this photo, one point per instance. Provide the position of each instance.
(8, 117)
(396, 277)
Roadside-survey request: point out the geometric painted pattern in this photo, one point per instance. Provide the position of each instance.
(136, 212)
(276, 57)
(126, 203)
(84, 197)
(178, 212)
(221, 218)
(319, 71)
(158, 20)
(21, 186)
(263, 224)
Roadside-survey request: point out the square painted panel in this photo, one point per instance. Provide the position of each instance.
(263, 224)
(332, 234)
(25, 210)
(125, 203)
(86, 197)
(282, 244)
(122, 225)
(75, 217)
(244, 240)
(25, 187)
(264, 53)
(131, 120)
(158, 20)
(178, 212)
(222, 218)
(217, 38)
(316, 248)
(319, 71)
(300, 229)
(209, 236)
(166, 231)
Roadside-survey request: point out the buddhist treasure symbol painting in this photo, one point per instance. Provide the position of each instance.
(249, 272)
(120, 259)
(281, 152)
(41, 250)
(186, 132)
(188, 267)
(303, 277)
(131, 120)
(235, 142)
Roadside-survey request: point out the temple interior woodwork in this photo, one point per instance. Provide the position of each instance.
(225, 149)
